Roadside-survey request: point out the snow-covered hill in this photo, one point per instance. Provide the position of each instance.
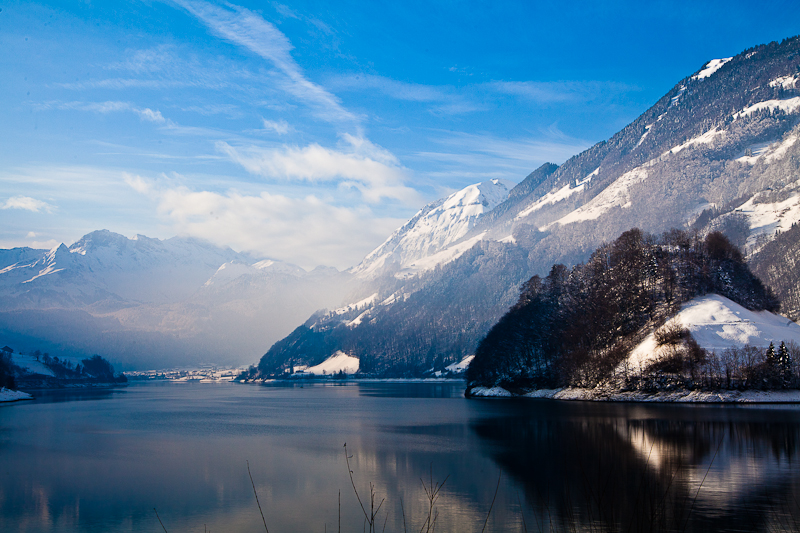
(717, 323)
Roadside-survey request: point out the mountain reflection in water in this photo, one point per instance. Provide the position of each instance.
(103, 465)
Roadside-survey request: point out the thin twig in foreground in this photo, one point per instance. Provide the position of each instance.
(499, 475)
(257, 502)
(688, 516)
(159, 520)
(350, 472)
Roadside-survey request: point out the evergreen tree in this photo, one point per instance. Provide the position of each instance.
(772, 359)
(785, 362)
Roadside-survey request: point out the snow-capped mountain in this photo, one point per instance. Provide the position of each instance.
(719, 151)
(150, 303)
(435, 234)
(107, 266)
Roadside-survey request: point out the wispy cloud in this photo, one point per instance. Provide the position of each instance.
(281, 127)
(400, 90)
(359, 164)
(249, 30)
(560, 91)
(544, 148)
(28, 204)
(444, 99)
(145, 113)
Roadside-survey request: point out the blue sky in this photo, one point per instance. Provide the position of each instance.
(308, 131)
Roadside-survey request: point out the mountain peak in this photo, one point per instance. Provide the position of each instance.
(435, 227)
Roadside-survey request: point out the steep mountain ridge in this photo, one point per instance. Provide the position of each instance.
(722, 137)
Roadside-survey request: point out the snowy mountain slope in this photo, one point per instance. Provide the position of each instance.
(433, 229)
(720, 138)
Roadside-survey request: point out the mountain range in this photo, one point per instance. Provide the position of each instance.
(719, 151)
(150, 303)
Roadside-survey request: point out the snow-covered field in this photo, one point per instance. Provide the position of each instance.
(717, 323)
(31, 365)
(461, 366)
(338, 362)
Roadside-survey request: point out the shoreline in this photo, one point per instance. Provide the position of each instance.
(679, 396)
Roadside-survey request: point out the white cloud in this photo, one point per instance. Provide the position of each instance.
(306, 231)
(149, 115)
(137, 183)
(30, 235)
(281, 127)
(247, 29)
(375, 172)
(28, 204)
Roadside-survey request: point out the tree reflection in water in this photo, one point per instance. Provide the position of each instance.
(590, 467)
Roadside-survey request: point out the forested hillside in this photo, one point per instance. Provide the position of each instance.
(778, 264)
(573, 327)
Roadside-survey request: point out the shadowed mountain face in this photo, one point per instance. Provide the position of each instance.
(719, 152)
(147, 303)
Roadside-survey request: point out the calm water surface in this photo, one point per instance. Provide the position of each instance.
(101, 461)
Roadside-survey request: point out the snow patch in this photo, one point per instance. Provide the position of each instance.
(790, 105)
(706, 138)
(644, 135)
(490, 392)
(770, 152)
(30, 365)
(435, 227)
(368, 301)
(785, 82)
(615, 195)
(710, 68)
(461, 366)
(357, 320)
(767, 218)
(551, 198)
(448, 255)
(339, 361)
(674, 100)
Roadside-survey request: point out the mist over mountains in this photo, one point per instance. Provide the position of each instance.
(148, 303)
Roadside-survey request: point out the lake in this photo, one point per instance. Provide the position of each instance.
(103, 460)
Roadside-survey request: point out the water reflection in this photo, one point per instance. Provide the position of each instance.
(643, 468)
(102, 466)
